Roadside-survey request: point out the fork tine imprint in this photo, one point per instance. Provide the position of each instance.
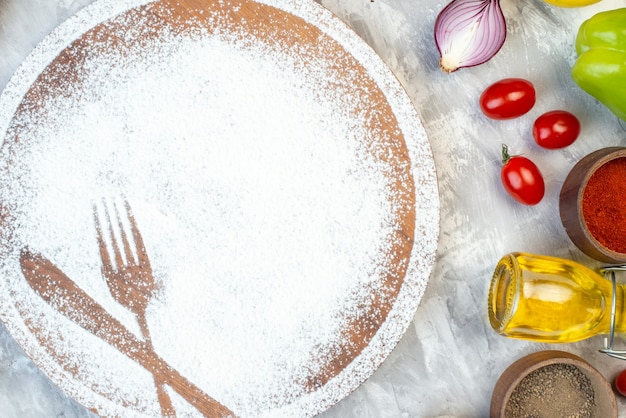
(104, 254)
(142, 254)
(127, 249)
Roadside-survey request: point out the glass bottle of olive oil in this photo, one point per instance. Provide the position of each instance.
(549, 299)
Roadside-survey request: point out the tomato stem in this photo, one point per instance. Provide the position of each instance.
(505, 154)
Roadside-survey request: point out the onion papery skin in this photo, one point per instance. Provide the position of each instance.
(469, 33)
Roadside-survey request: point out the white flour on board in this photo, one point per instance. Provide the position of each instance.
(265, 215)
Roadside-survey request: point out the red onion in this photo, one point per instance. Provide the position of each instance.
(469, 32)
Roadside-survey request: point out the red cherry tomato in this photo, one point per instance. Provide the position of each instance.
(620, 383)
(508, 98)
(521, 178)
(556, 129)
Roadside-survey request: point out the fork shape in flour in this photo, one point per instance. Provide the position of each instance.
(128, 275)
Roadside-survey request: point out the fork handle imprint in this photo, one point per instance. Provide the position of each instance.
(64, 295)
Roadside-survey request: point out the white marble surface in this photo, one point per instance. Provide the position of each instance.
(449, 359)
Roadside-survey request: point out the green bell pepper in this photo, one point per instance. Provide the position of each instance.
(600, 69)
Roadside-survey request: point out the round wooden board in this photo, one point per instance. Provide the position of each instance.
(185, 329)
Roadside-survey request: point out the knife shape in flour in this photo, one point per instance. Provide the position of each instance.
(60, 292)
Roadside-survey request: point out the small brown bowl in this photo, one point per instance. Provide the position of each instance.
(551, 368)
(571, 205)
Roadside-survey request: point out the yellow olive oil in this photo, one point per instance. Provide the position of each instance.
(549, 299)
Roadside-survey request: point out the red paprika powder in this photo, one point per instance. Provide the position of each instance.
(604, 205)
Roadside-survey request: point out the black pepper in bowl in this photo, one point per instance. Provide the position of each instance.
(552, 384)
(556, 390)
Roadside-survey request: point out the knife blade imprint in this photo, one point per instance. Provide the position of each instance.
(60, 292)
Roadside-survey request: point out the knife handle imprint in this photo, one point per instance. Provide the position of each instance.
(60, 292)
